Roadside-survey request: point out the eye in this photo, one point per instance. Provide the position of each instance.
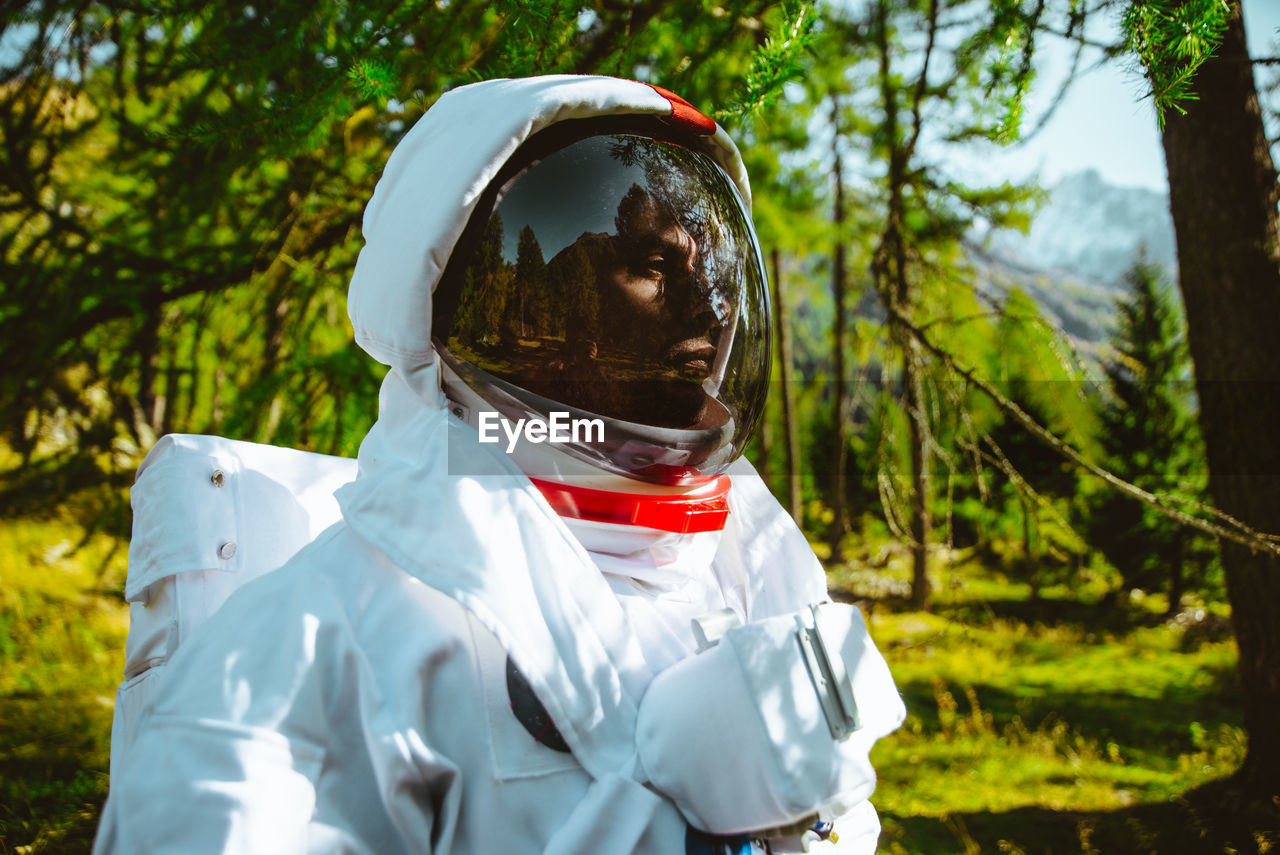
(652, 265)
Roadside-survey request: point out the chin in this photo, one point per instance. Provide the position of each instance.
(674, 403)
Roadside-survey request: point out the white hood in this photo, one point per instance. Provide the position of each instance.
(487, 538)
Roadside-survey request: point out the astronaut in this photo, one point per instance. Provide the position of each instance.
(576, 642)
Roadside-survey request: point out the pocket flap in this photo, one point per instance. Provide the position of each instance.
(184, 517)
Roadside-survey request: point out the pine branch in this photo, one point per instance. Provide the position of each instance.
(1227, 527)
(931, 23)
(775, 63)
(1172, 40)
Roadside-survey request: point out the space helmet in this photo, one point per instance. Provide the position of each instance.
(610, 278)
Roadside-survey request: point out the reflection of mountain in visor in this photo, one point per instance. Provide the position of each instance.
(618, 276)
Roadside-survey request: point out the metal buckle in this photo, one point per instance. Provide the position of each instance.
(830, 676)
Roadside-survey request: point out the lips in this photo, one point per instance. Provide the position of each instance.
(693, 355)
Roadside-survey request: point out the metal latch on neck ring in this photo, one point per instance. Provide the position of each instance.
(830, 676)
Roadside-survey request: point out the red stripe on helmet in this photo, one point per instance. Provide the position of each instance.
(686, 114)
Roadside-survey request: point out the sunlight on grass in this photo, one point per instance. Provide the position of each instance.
(1035, 726)
(1053, 724)
(62, 630)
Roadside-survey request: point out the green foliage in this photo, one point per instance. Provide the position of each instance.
(1172, 39)
(1032, 723)
(539, 36)
(1149, 435)
(997, 61)
(375, 81)
(775, 62)
(180, 195)
(62, 635)
(182, 187)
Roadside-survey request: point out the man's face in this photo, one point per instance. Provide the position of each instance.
(607, 279)
(656, 302)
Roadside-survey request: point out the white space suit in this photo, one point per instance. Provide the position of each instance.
(360, 698)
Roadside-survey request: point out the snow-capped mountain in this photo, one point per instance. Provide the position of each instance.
(1081, 244)
(1093, 229)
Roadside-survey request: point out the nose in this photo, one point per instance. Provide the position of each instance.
(697, 305)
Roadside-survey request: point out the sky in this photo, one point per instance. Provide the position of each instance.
(1104, 123)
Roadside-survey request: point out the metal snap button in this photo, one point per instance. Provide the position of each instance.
(227, 551)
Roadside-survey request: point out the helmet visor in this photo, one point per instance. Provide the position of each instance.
(619, 276)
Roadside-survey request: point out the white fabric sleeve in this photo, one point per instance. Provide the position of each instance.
(618, 814)
(228, 751)
(737, 737)
(191, 787)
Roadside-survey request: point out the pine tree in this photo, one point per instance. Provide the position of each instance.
(572, 267)
(840, 299)
(906, 224)
(1030, 498)
(531, 285)
(1149, 437)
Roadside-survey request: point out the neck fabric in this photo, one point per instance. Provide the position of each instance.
(663, 581)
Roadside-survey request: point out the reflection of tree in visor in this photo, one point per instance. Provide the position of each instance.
(619, 276)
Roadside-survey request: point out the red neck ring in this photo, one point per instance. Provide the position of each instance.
(705, 508)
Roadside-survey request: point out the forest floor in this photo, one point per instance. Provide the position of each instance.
(1064, 723)
(1046, 725)
(63, 623)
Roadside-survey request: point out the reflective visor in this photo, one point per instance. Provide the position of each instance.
(619, 277)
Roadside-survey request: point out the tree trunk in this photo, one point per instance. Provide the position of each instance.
(167, 403)
(146, 418)
(1177, 573)
(921, 489)
(838, 289)
(267, 419)
(1029, 557)
(1223, 193)
(893, 282)
(790, 434)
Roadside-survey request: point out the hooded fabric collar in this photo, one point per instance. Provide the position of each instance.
(483, 535)
(459, 515)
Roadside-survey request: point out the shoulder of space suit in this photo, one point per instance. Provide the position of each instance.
(765, 549)
(344, 584)
(331, 623)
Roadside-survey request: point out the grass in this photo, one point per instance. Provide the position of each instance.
(1055, 725)
(1046, 725)
(62, 630)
